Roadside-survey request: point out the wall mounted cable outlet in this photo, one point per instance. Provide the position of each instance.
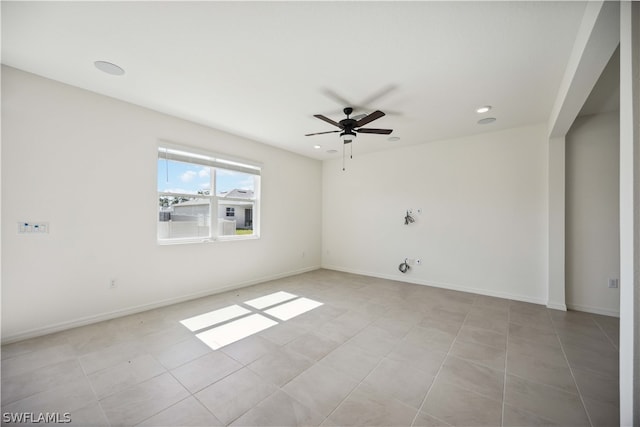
(613, 283)
(26, 227)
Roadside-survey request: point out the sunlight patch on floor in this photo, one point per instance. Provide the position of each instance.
(271, 299)
(292, 309)
(214, 317)
(233, 323)
(235, 331)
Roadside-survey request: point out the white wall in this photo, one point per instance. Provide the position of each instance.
(483, 226)
(593, 213)
(79, 160)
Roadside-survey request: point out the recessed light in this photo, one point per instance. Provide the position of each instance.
(486, 121)
(332, 151)
(393, 139)
(109, 68)
(317, 147)
(484, 109)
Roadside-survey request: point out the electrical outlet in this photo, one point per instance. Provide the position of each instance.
(613, 283)
(112, 284)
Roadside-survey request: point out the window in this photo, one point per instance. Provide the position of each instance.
(204, 197)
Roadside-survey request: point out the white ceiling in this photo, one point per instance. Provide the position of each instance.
(262, 69)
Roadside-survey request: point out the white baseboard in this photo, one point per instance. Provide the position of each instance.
(69, 324)
(594, 310)
(450, 286)
(556, 306)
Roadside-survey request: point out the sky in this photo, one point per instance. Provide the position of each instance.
(189, 178)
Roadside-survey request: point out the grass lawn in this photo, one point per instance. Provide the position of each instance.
(240, 232)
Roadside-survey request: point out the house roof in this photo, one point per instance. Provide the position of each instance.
(263, 69)
(235, 193)
(238, 194)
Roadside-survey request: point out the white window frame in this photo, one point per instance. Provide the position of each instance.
(171, 151)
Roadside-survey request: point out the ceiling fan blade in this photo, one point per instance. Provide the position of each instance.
(333, 95)
(328, 120)
(379, 131)
(321, 133)
(371, 117)
(379, 94)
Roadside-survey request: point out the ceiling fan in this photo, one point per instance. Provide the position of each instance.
(349, 127)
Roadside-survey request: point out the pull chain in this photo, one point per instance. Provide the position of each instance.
(343, 157)
(344, 153)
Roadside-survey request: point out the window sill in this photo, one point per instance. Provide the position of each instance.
(170, 242)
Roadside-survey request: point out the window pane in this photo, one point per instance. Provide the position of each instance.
(234, 184)
(183, 217)
(180, 177)
(235, 217)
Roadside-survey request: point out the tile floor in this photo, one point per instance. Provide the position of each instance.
(377, 352)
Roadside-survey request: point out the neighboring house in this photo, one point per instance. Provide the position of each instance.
(189, 210)
(232, 209)
(237, 210)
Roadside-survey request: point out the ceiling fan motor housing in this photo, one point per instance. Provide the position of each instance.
(347, 125)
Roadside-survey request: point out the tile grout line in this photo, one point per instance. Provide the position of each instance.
(547, 385)
(570, 369)
(171, 406)
(506, 358)
(166, 371)
(435, 378)
(281, 387)
(244, 366)
(86, 377)
(366, 376)
(606, 335)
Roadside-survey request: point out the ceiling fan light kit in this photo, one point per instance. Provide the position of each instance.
(347, 137)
